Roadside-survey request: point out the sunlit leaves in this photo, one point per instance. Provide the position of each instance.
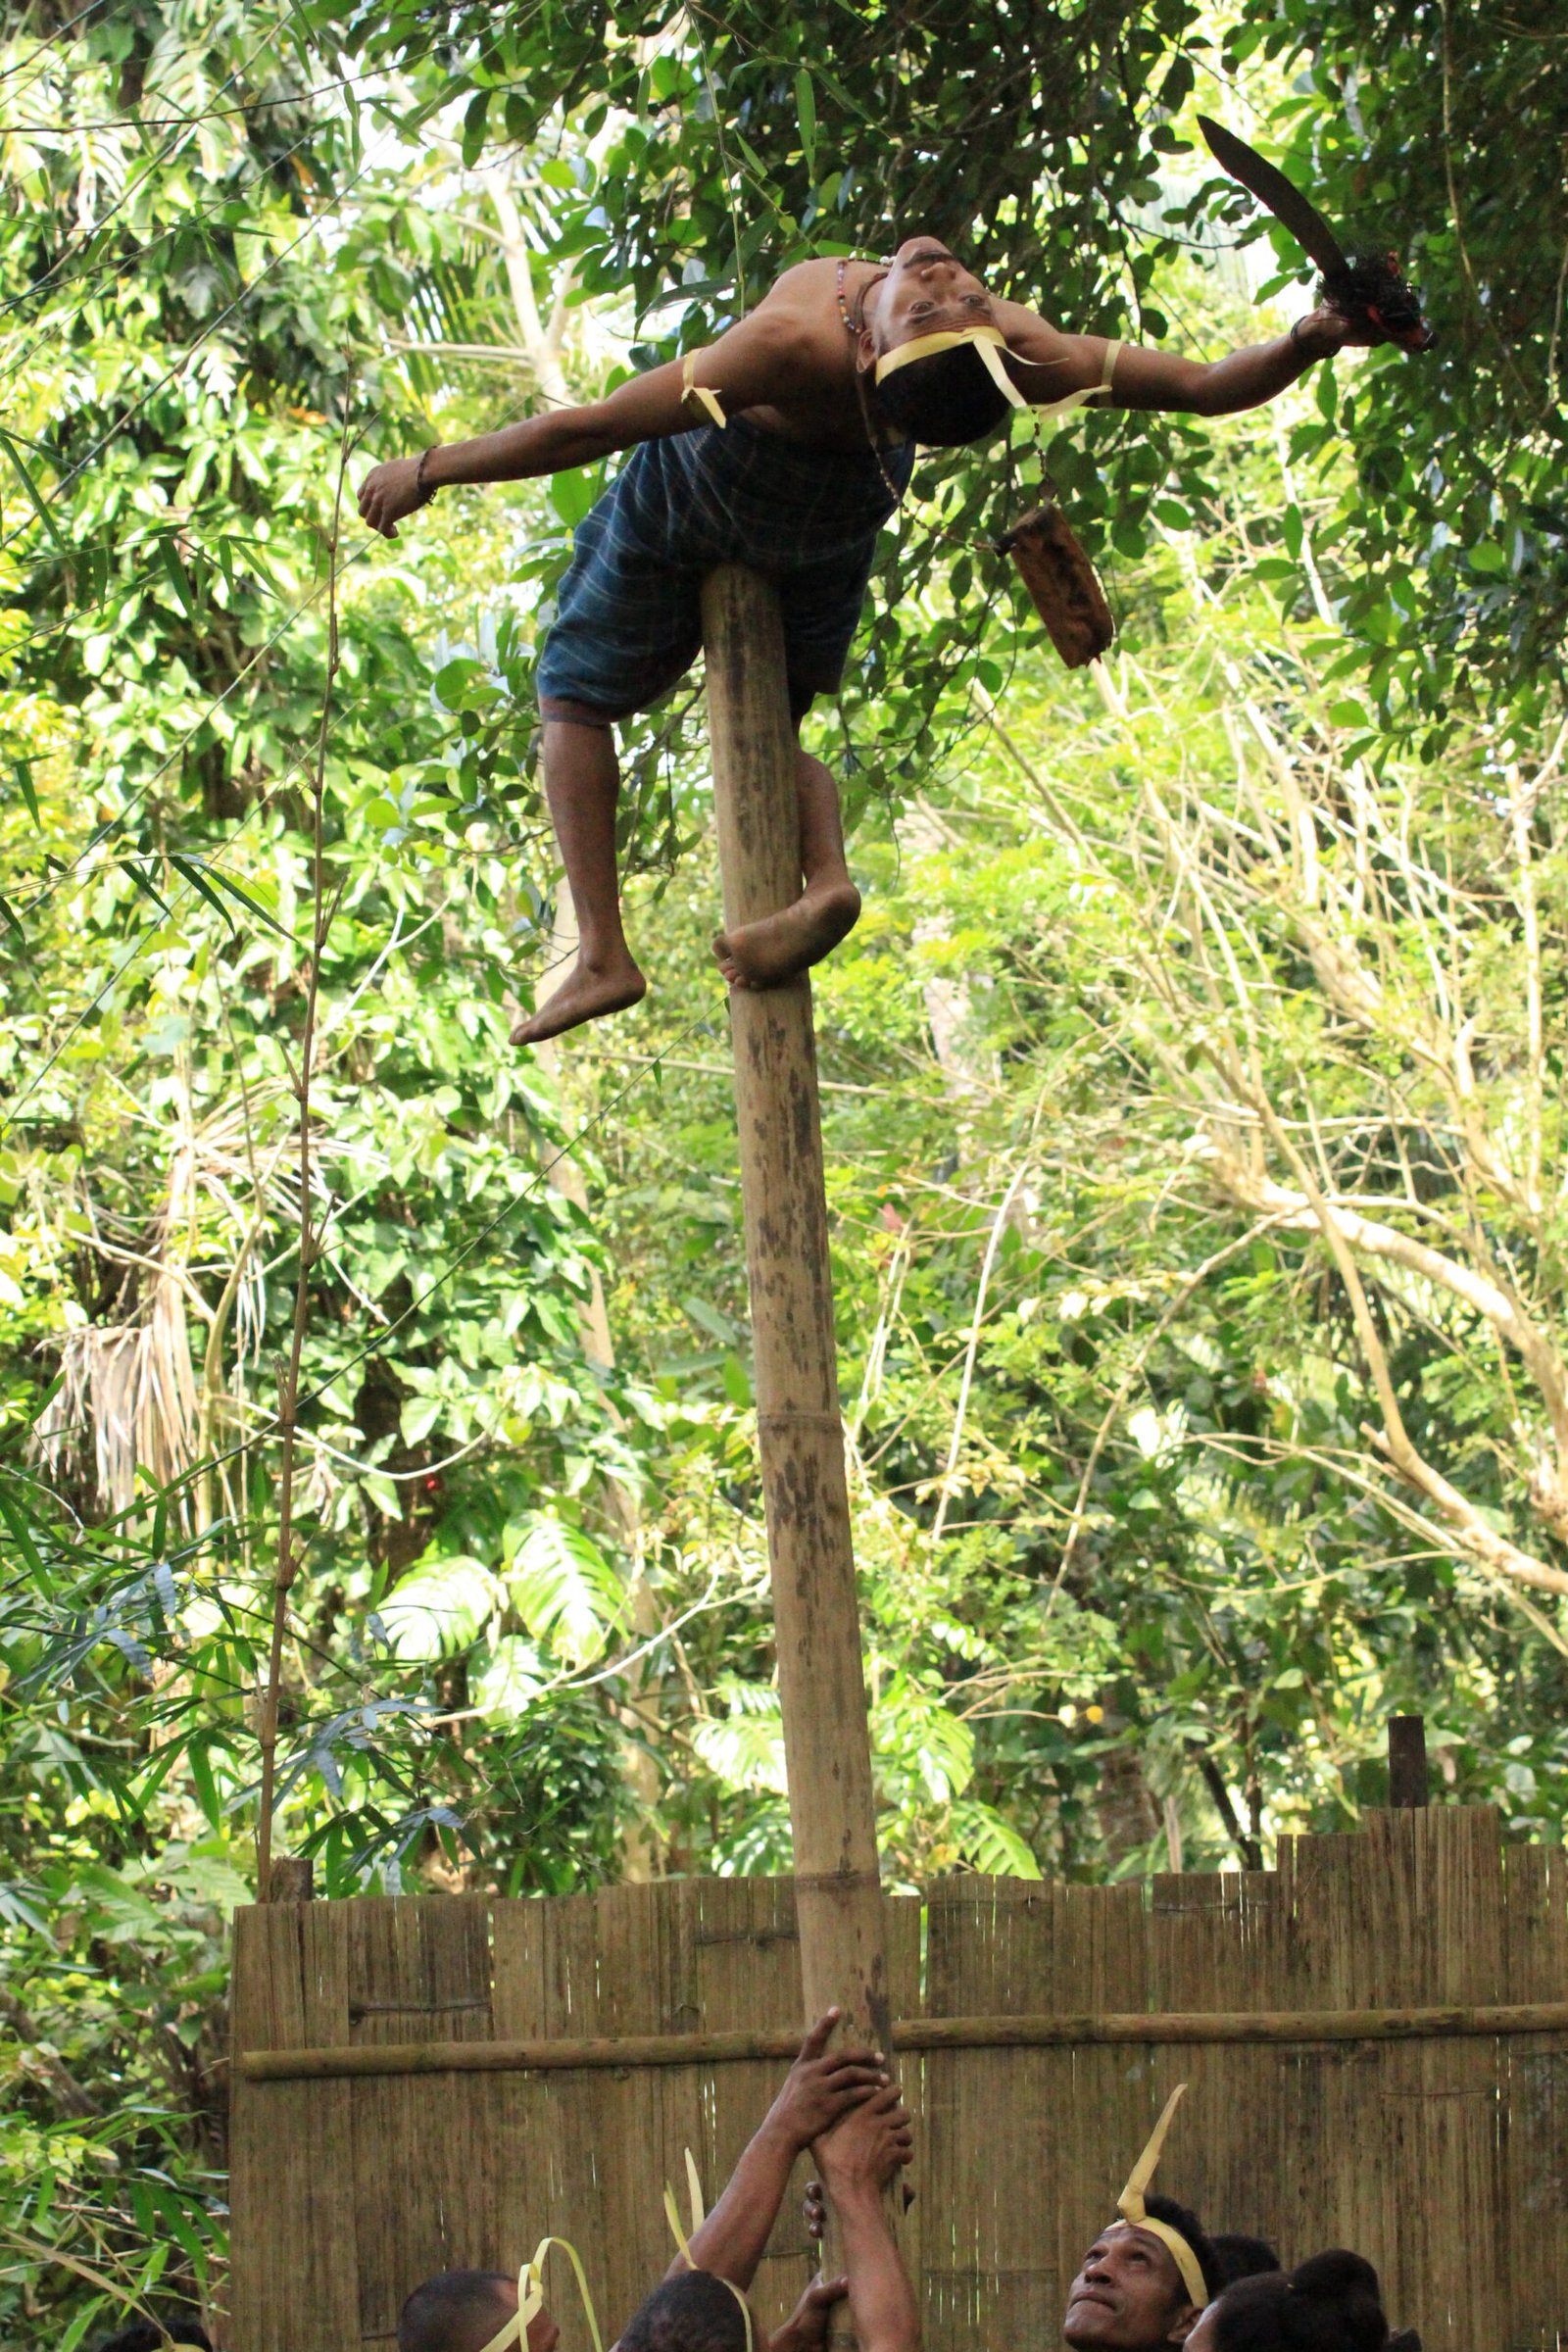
(562, 1587)
(440, 1608)
(508, 1679)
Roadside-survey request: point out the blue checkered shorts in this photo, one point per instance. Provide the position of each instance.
(628, 618)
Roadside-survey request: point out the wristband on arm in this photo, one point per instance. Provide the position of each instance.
(426, 490)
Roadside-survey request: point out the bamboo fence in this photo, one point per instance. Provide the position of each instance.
(1376, 2035)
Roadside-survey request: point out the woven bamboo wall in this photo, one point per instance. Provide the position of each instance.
(1444, 2159)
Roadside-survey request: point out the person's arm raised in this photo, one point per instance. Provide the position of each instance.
(805, 2329)
(752, 363)
(821, 2087)
(858, 2161)
(1058, 363)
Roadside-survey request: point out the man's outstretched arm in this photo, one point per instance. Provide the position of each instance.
(1055, 364)
(1242, 379)
(820, 2088)
(751, 364)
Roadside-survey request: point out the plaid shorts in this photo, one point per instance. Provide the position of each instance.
(628, 618)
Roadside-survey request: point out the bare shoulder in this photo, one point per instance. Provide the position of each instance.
(798, 318)
(810, 287)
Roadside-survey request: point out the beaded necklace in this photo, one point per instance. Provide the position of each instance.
(854, 327)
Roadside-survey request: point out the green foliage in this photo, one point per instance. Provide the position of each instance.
(1438, 132)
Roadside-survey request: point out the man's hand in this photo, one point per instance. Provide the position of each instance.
(1326, 330)
(857, 2159)
(823, 2085)
(814, 2208)
(869, 2146)
(805, 2329)
(390, 492)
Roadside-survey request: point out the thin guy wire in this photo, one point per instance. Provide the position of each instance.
(125, 194)
(49, 41)
(317, 220)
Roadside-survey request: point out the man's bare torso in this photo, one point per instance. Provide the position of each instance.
(816, 350)
(827, 410)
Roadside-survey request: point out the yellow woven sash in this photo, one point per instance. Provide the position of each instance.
(1130, 2205)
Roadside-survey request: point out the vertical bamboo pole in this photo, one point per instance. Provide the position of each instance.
(827, 1748)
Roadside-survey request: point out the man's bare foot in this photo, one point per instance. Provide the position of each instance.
(765, 955)
(587, 994)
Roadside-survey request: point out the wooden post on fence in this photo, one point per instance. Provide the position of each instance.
(1408, 1760)
(827, 1748)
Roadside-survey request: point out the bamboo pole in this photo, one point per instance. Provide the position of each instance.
(827, 1750)
(1220, 2025)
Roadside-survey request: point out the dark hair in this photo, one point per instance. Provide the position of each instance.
(142, 2335)
(944, 400)
(456, 2310)
(1330, 2304)
(692, 2312)
(1242, 2257)
(1183, 2220)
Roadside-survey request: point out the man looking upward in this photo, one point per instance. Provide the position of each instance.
(1132, 2293)
(784, 446)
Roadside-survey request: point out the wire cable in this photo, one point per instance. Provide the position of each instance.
(168, 149)
(50, 39)
(216, 114)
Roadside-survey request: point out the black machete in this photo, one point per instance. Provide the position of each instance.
(1368, 287)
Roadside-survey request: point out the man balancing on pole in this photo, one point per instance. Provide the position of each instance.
(785, 446)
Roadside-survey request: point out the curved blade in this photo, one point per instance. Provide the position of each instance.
(1270, 187)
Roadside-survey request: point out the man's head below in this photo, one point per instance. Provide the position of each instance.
(460, 2311)
(1329, 2304)
(946, 397)
(1128, 2295)
(692, 2312)
(1241, 2257)
(147, 2336)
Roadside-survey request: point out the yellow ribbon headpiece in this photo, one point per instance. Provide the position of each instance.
(693, 2189)
(531, 2298)
(1130, 2205)
(989, 343)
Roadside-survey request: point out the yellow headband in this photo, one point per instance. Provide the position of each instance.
(531, 2298)
(693, 2189)
(989, 343)
(1130, 2205)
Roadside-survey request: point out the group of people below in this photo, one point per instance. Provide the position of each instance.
(1143, 2285)
(1153, 2278)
